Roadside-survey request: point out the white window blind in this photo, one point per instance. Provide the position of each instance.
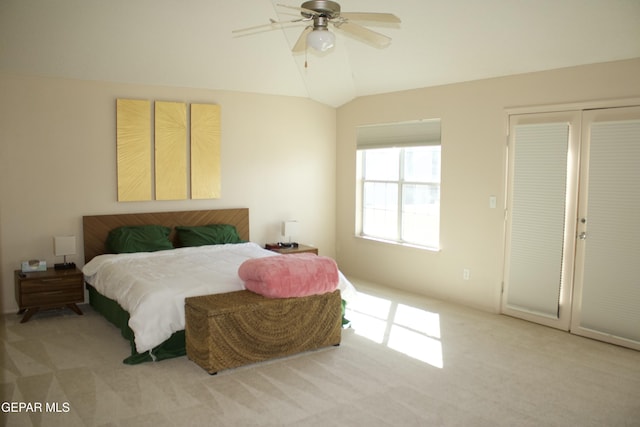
(403, 134)
(538, 217)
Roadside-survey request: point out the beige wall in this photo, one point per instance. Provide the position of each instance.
(58, 163)
(280, 159)
(473, 168)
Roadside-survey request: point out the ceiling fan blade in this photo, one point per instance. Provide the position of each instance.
(270, 25)
(301, 44)
(365, 34)
(301, 9)
(371, 17)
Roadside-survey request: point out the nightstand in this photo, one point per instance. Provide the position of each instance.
(299, 250)
(48, 289)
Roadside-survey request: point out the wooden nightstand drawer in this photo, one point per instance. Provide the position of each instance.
(44, 285)
(53, 297)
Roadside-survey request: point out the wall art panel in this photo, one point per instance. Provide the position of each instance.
(205, 151)
(171, 150)
(133, 146)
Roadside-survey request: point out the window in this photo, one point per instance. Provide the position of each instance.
(399, 180)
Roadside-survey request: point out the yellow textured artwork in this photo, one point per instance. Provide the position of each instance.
(133, 146)
(171, 150)
(175, 172)
(205, 151)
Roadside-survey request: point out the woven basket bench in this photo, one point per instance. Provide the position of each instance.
(228, 330)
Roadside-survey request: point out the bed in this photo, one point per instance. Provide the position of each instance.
(148, 303)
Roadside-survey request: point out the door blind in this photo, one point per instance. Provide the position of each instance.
(538, 217)
(611, 288)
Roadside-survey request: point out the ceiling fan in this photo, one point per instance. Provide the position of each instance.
(321, 13)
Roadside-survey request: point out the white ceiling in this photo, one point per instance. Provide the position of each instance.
(189, 43)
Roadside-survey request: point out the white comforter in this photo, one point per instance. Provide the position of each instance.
(152, 286)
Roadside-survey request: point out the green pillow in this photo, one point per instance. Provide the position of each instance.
(142, 238)
(212, 234)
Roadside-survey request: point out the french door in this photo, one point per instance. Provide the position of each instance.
(572, 258)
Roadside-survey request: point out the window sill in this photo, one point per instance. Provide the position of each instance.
(393, 243)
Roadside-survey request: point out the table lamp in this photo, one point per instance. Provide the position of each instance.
(290, 231)
(63, 246)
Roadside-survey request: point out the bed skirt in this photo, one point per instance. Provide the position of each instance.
(114, 313)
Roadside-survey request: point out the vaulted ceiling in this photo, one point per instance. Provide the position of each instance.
(190, 43)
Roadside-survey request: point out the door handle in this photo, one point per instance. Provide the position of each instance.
(582, 236)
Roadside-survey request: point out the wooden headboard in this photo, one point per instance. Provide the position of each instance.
(96, 227)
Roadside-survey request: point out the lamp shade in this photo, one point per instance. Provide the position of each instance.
(290, 229)
(321, 39)
(64, 245)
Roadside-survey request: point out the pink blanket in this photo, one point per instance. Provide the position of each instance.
(286, 276)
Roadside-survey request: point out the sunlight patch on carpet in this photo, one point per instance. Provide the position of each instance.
(409, 330)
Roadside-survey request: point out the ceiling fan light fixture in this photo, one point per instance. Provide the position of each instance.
(321, 39)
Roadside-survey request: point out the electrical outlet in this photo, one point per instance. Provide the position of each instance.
(466, 274)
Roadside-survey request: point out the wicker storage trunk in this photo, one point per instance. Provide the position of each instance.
(238, 328)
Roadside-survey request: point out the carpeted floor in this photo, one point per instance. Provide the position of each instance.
(467, 368)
